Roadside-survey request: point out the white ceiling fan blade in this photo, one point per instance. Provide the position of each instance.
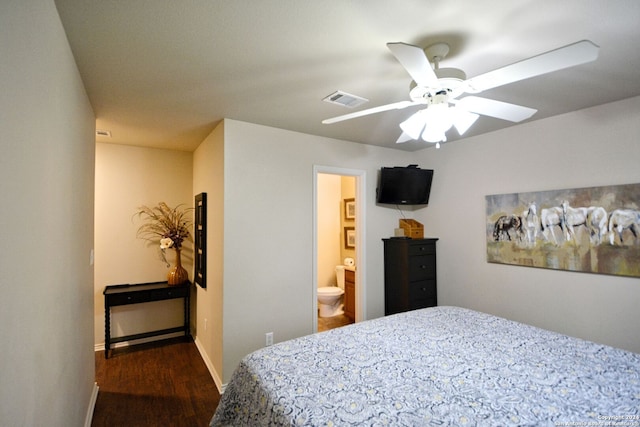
(498, 109)
(415, 62)
(568, 56)
(404, 137)
(394, 106)
(463, 120)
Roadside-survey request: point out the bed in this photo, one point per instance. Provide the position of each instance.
(436, 366)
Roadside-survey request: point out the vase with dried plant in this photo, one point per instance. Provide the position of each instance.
(170, 228)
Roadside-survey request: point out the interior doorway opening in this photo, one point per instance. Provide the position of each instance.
(339, 243)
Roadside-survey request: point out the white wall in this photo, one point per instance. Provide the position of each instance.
(268, 236)
(46, 181)
(208, 177)
(593, 147)
(127, 177)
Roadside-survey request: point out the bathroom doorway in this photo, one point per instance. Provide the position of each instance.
(338, 219)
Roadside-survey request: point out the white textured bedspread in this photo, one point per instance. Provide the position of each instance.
(437, 366)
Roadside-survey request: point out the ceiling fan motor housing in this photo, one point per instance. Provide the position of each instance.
(428, 96)
(449, 79)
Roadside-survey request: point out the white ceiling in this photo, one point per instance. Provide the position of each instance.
(163, 73)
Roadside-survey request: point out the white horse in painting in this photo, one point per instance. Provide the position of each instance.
(623, 219)
(549, 218)
(530, 224)
(597, 223)
(594, 218)
(573, 217)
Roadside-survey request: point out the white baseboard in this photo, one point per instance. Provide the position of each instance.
(92, 405)
(216, 378)
(100, 346)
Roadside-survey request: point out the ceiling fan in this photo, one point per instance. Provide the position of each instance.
(439, 89)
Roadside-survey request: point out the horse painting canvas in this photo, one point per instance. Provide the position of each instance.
(592, 229)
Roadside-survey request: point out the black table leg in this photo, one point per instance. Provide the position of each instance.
(107, 331)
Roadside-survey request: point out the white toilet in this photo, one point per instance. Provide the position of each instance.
(330, 297)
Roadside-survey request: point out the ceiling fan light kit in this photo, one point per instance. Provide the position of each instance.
(437, 88)
(433, 122)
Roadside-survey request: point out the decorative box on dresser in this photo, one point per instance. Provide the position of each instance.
(409, 274)
(350, 294)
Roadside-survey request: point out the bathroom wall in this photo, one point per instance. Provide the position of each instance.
(329, 194)
(348, 189)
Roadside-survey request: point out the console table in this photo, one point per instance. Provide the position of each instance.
(115, 295)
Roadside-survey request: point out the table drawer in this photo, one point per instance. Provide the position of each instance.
(168, 293)
(128, 298)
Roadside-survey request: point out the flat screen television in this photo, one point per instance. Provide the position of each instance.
(404, 185)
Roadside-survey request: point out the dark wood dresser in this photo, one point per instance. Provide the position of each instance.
(409, 274)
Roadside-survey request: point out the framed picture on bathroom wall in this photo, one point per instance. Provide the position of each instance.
(349, 237)
(349, 209)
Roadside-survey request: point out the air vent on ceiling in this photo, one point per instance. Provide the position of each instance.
(100, 132)
(345, 99)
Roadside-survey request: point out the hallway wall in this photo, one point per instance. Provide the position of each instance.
(46, 182)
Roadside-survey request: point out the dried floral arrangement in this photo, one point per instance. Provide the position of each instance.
(166, 226)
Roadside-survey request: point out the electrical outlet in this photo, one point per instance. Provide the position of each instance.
(205, 324)
(269, 338)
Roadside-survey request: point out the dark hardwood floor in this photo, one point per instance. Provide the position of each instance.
(164, 383)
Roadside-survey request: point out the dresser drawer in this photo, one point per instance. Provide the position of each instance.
(422, 303)
(422, 290)
(422, 249)
(422, 267)
(168, 293)
(128, 298)
(422, 294)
